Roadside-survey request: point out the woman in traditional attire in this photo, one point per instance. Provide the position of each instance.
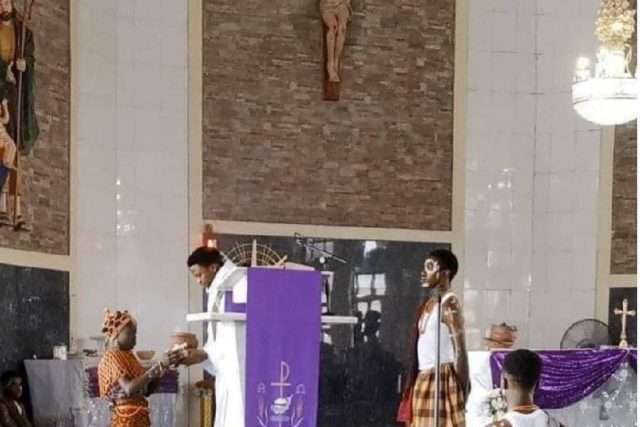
(122, 379)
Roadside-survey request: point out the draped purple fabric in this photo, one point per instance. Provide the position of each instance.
(569, 376)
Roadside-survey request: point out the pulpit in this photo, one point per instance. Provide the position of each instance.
(279, 368)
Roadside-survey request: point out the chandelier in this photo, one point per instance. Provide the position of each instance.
(610, 96)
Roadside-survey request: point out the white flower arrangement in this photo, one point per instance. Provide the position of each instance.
(494, 405)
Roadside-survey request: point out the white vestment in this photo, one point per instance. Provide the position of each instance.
(225, 347)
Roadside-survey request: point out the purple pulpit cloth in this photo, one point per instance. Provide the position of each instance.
(283, 348)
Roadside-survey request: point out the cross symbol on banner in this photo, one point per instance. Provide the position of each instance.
(284, 376)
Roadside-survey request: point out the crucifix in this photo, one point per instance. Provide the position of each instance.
(335, 17)
(624, 313)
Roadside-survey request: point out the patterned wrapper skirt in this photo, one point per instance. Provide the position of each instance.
(130, 415)
(451, 399)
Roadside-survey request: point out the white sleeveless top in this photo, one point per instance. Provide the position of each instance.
(538, 418)
(427, 340)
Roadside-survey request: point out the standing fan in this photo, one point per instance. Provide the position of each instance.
(586, 333)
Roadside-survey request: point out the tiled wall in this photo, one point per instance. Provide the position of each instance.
(131, 174)
(532, 170)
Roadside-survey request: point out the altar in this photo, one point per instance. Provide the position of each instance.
(579, 387)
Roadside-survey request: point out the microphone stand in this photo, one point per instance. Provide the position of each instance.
(436, 407)
(325, 255)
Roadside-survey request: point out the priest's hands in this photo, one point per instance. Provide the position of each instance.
(173, 357)
(193, 356)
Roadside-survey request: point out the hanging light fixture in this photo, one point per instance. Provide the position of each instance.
(610, 96)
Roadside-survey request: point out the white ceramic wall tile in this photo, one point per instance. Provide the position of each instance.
(561, 195)
(504, 70)
(545, 7)
(584, 303)
(587, 150)
(526, 77)
(544, 113)
(479, 21)
(541, 271)
(495, 303)
(525, 122)
(561, 229)
(502, 108)
(174, 51)
(504, 31)
(546, 37)
(522, 153)
(564, 117)
(529, 239)
(543, 152)
(480, 62)
(544, 74)
(584, 269)
(563, 156)
(478, 114)
(503, 6)
(526, 29)
(174, 15)
(125, 135)
(149, 13)
(586, 189)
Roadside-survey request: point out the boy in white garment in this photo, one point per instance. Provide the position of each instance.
(521, 373)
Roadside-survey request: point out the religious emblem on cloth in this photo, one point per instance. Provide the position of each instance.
(287, 408)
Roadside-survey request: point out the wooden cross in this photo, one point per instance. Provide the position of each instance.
(624, 313)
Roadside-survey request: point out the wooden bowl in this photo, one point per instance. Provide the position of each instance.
(180, 338)
(145, 354)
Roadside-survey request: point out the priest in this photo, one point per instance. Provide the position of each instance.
(223, 354)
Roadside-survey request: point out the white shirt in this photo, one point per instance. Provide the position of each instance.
(538, 418)
(427, 340)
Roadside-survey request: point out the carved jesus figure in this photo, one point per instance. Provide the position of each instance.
(335, 15)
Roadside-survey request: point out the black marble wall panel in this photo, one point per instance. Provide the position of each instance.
(380, 284)
(34, 315)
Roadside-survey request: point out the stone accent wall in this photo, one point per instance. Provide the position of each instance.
(274, 151)
(624, 227)
(624, 210)
(46, 183)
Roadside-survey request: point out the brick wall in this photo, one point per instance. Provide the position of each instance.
(625, 178)
(46, 189)
(624, 217)
(274, 151)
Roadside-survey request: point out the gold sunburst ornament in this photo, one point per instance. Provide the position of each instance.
(254, 254)
(610, 96)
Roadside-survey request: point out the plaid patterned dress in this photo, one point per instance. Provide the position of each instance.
(452, 404)
(452, 396)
